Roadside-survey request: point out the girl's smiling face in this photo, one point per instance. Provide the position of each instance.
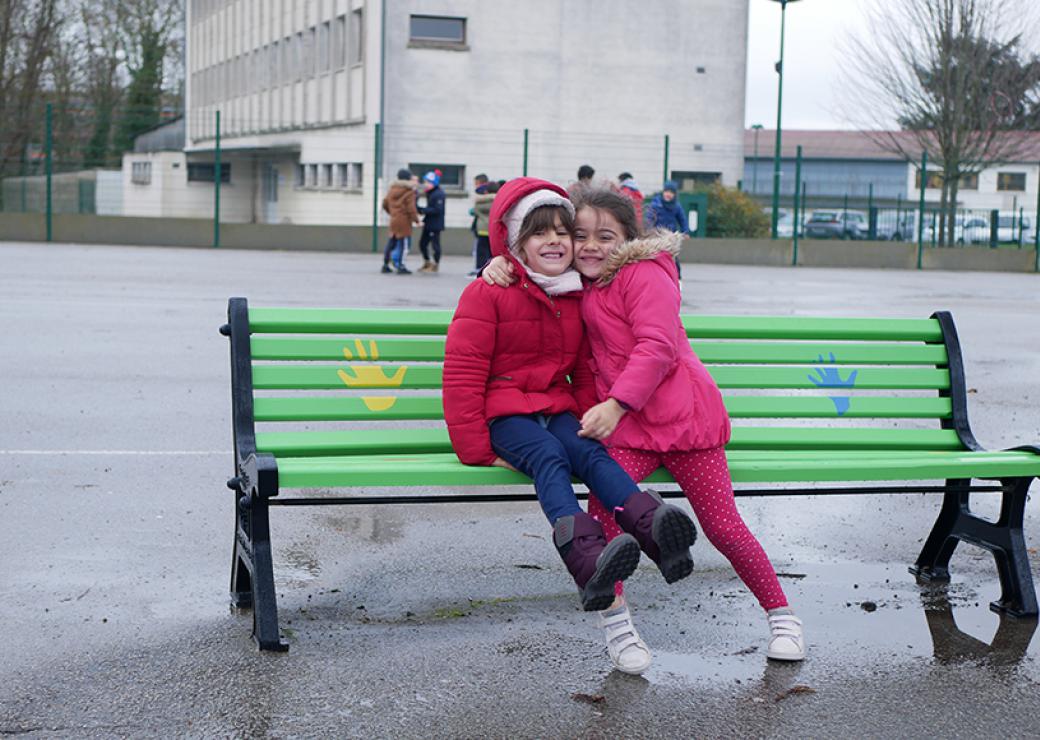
(597, 233)
(549, 249)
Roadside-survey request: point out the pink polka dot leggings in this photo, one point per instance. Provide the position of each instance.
(704, 477)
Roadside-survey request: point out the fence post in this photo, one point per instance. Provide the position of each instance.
(525, 152)
(664, 179)
(794, 217)
(216, 185)
(920, 207)
(49, 144)
(375, 189)
(1036, 230)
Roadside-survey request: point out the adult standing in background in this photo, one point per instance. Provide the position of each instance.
(400, 204)
(433, 222)
(664, 212)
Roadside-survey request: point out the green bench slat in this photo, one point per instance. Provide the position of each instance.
(409, 441)
(360, 349)
(804, 353)
(266, 347)
(395, 408)
(328, 377)
(746, 466)
(347, 321)
(410, 321)
(797, 327)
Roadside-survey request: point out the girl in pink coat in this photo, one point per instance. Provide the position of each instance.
(659, 406)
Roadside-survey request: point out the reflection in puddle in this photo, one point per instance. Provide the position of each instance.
(953, 645)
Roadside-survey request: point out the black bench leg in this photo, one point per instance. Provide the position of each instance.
(933, 564)
(252, 571)
(1018, 597)
(1004, 538)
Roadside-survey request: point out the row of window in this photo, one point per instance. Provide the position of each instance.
(329, 46)
(141, 172)
(342, 176)
(1011, 182)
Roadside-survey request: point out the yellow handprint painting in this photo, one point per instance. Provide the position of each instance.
(369, 376)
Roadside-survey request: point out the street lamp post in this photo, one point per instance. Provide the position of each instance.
(779, 108)
(754, 173)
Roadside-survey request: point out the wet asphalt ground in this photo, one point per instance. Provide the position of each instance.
(454, 620)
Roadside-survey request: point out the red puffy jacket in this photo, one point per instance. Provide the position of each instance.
(510, 350)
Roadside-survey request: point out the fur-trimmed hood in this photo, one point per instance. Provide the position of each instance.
(646, 247)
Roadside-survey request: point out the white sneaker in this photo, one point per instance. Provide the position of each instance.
(628, 653)
(787, 642)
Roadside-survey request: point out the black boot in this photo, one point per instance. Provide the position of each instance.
(594, 564)
(664, 532)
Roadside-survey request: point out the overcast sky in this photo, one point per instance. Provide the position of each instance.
(814, 28)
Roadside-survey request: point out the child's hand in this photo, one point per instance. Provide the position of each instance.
(601, 420)
(499, 271)
(500, 463)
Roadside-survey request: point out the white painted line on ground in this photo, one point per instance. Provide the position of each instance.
(114, 452)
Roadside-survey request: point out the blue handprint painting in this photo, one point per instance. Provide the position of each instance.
(828, 376)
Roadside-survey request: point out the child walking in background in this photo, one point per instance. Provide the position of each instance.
(658, 406)
(433, 222)
(400, 204)
(508, 401)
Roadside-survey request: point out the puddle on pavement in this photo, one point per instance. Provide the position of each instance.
(858, 614)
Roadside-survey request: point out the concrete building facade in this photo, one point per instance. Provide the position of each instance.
(466, 86)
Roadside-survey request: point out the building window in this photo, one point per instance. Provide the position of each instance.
(339, 43)
(453, 176)
(357, 36)
(141, 173)
(438, 29)
(204, 171)
(1011, 181)
(342, 176)
(326, 176)
(689, 181)
(355, 175)
(935, 181)
(285, 62)
(324, 57)
(301, 175)
(298, 56)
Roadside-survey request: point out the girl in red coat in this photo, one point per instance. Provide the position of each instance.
(508, 400)
(658, 405)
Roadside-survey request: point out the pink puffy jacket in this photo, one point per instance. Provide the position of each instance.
(642, 358)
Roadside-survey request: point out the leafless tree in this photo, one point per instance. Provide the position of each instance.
(953, 74)
(27, 30)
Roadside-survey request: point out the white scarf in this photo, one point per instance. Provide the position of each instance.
(567, 282)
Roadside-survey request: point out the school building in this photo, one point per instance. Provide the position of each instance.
(466, 86)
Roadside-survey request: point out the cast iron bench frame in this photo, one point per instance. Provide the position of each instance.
(256, 479)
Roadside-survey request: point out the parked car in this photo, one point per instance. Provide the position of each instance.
(837, 224)
(784, 222)
(896, 225)
(1010, 228)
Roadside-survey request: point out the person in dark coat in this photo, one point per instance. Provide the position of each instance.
(433, 222)
(664, 212)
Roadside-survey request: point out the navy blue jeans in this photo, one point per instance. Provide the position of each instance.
(549, 450)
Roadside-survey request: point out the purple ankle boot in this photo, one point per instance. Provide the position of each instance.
(664, 532)
(594, 563)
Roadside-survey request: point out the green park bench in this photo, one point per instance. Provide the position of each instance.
(328, 401)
